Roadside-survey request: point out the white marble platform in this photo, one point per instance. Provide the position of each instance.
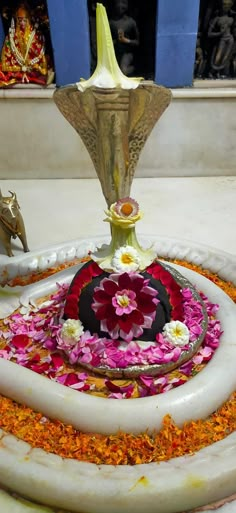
(198, 209)
(202, 210)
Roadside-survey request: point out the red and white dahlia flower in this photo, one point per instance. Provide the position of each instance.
(125, 305)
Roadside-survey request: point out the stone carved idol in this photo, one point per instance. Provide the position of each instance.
(125, 36)
(11, 222)
(23, 58)
(221, 28)
(200, 61)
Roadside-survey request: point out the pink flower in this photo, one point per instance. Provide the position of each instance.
(119, 392)
(186, 368)
(124, 302)
(73, 380)
(116, 396)
(204, 354)
(213, 334)
(173, 355)
(187, 294)
(6, 355)
(125, 305)
(86, 356)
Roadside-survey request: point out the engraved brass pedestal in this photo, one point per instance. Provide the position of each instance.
(114, 125)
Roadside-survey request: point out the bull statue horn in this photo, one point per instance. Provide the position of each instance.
(13, 194)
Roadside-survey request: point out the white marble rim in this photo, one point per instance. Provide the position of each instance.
(10, 503)
(201, 89)
(206, 256)
(197, 398)
(176, 486)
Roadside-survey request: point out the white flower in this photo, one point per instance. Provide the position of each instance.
(176, 333)
(107, 73)
(125, 259)
(71, 331)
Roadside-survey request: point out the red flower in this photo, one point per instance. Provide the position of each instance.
(81, 279)
(115, 295)
(173, 288)
(20, 341)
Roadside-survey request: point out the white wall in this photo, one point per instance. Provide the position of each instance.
(195, 137)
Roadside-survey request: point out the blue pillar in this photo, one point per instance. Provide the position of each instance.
(69, 27)
(2, 35)
(177, 27)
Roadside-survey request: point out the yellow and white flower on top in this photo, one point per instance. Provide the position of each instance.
(125, 259)
(176, 333)
(71, 331)
(122, 216)
(107, 73)
(124, 213)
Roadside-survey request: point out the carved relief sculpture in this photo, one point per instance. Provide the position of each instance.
(125, 36)
(216, 41)
(220, 29)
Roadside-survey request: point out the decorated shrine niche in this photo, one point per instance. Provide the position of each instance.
(216, 40)
(26, 53)
(133, 28)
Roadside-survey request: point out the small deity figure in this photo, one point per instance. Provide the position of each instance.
(200, 61)
(220, 28)
(234, 51)
(125, 36)
(23, 57)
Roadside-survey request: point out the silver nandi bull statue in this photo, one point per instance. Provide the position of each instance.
(11, 222)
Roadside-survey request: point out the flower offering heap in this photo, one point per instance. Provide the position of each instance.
(134, 315)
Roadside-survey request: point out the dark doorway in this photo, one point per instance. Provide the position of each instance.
(216, 42)
(142, 15)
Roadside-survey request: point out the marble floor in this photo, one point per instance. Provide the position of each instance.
(201, 209)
